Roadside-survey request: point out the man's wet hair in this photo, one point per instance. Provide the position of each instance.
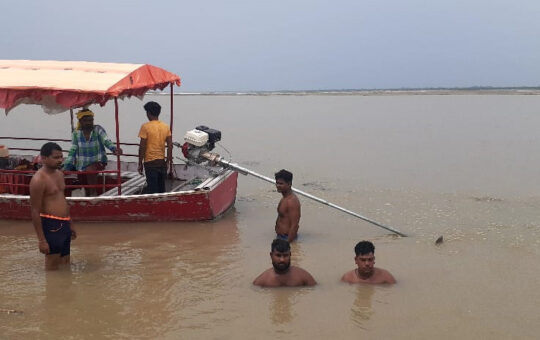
(364, 247)
(153, 108)
(284, 175)
(280, 245)
(48, 148)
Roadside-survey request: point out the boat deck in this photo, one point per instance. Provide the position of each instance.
(135, 184)
(187, 177)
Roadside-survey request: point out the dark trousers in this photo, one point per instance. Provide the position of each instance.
(155, 179)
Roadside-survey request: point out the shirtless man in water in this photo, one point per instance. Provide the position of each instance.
(366, 271)
(50, 212)
(282, 273)
(288, 219)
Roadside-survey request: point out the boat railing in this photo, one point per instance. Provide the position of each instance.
(60, 140)
(17, 181)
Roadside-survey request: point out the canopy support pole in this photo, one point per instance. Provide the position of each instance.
(118, 177)
(172, 97)
(71, 121)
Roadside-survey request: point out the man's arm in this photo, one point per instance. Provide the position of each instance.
(106, 141)
(347, 277)
(37, 190)
(142, 151)
(293, 208)
(169, 154)
(388, 278)
(74, 232)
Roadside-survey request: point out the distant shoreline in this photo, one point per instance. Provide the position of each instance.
(381, 92)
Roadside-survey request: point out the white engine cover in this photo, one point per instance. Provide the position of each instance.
(196, 137)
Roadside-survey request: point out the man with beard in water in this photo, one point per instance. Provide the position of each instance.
(50, 211)
(282, 273)
(366, 271)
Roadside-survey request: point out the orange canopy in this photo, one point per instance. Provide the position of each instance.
(61, 85)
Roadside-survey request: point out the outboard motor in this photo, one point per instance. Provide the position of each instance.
(213, 135)
(199, 140)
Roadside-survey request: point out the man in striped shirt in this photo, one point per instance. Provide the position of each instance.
(87, 151)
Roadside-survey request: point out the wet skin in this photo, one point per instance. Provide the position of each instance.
(366, 272)
(47, 197)
(283, 274)
(289, 211)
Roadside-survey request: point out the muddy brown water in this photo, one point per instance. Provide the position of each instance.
(461, 166)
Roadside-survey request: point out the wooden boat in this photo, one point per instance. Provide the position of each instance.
(195, 192)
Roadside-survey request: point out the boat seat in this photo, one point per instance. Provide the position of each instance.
(132, 185)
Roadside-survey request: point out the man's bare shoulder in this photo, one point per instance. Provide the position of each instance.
(264, 278)
(350, 277)
(290, 202)
(303, 275)
(299, 271)
(384, 276)
(294, 199)
(380, 276)
(38, 178)
(59, 173)
(41, 177)
(296, 276)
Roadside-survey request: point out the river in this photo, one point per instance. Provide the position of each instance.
(461, 166)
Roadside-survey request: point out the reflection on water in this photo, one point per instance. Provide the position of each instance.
(297, 253)
(280, 307)
(361, 310)
(282, 303)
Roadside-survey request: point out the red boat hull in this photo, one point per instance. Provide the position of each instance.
(204, 204)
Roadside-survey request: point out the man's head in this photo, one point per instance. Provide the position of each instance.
(86, 120)
(283, 180)
(365, 257)
(152, 109)
(281, 255)
(51, 155)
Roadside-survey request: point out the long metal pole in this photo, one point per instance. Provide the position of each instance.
(118, 177)
(245, 171)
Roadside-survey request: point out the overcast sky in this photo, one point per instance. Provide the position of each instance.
(250, 45)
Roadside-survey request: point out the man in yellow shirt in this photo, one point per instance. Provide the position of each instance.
(153, 136)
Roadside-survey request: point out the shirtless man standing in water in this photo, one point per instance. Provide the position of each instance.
(288, 219)
(366, 271)
(50, 212)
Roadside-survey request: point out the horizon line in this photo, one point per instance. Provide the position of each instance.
(364, 90)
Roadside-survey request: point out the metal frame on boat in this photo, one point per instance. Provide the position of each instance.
(196, 193)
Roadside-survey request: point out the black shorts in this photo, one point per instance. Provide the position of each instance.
(282, 236)
(57, 232)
